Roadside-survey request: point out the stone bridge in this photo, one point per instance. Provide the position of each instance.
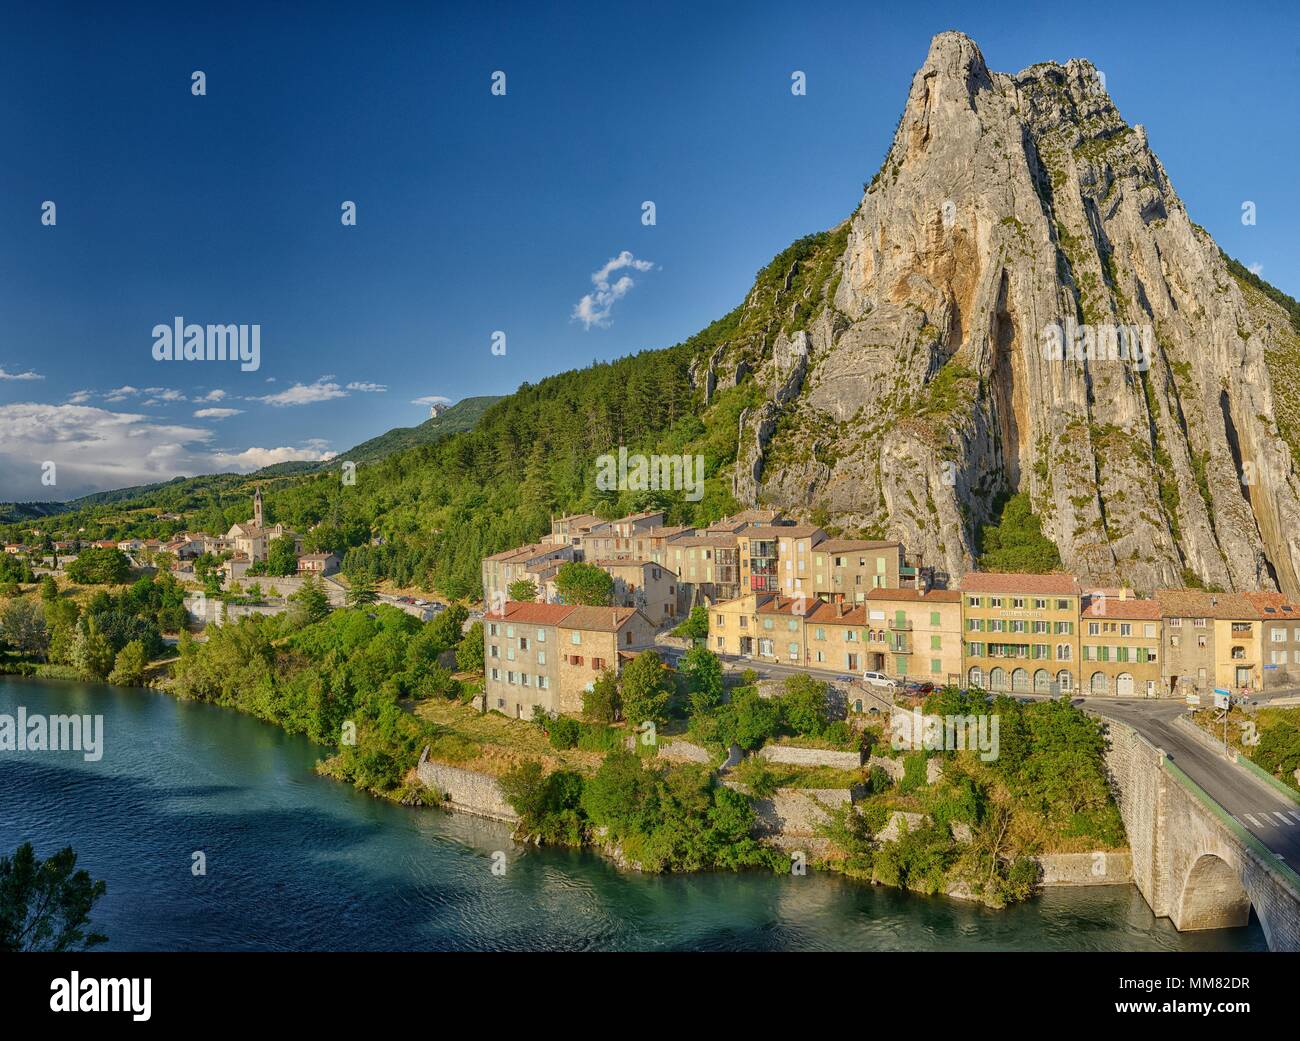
(1192, 862)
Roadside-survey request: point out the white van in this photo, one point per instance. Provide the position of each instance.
(879, 679)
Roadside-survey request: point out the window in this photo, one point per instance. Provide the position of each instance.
(523, 679)
(542, 682)
(936, 666)
(598, 664)
(1094, 628)
(494, 651)
(972, 601)
(1063, 652)
(721, 620)
(1040, 604)
(1018, 603)
(975, 650)
(1175, 622)
(1199, 623)
(541, 657)
(934, 619)
(492, 629)
(1125, 629)
(1062, 605)
(523, 643)
(576, 638)
(510, 677)
(995, 601)
(936, 643)
(1278, 635)
(721, 643)
(496, 674)
(793, 650)
(1149, 629)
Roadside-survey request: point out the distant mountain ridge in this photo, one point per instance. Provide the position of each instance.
(458, 418)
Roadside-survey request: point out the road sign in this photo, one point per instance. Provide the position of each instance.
(1220, 690)
(1193, 699)
(1222, 699)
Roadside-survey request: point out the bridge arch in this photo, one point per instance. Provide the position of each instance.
(1213, 896)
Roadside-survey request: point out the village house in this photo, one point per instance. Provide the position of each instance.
(915, 634)
(613, 539)
(763, 626)
(570, 531)
(848, 569)
(1022, 631)
(1210, 640)
(778, 558)
(707, 566)
(543, 657)
(649, 587)
(1120, 645)
(534, 563)
(318, 564)
(1279, 638)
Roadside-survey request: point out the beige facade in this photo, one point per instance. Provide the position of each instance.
(543, 657)
(779, 558)
(1120, 646)
(643, 584)
(1210, 640)
(531, 563)
(848, 569)
(763, 626)
(916, 635)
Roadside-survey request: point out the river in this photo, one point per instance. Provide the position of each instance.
(295, 861)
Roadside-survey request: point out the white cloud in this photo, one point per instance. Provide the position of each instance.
(79, 397)
(212, 395)
(305, 393)
(369, 388)
(164, 394)
(256, 458)
(594, 308)
(1255, 268)
(94, 449)
(431, 399)
(29, 375)
(217, 413)
(121, 393)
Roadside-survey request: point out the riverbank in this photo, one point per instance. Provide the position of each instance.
(297, 862)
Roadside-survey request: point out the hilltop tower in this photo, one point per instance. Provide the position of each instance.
(257, 507)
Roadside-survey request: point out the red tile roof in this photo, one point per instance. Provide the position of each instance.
(1113, 607)
(933, 596)
(1002, 582)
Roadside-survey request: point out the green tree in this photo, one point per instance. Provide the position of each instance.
(96, 566)
(22, 625)
(695, 626)
(469, 652)
(282, 557)
(524, 590)
(128, 668)
(49, 588)
(311, 604)
(361, 591)
(702, 671)
(804, 706)
(45, 905)
(645, 688)
(601, 703)
(1016, 542)
(92, 654)
(584, 584)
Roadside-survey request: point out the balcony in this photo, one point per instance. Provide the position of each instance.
(900, 626)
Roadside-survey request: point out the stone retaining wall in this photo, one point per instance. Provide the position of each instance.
(467, 791)
(792, 754)
(1102, 868)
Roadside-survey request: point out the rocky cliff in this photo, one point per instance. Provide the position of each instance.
(1020, 303)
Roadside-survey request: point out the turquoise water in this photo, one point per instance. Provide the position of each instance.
(298, 862)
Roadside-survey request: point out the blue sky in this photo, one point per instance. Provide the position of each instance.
(479, 213)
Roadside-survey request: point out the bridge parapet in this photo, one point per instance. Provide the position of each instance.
(1192, 862)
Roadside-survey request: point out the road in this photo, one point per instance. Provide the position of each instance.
(1267, 814)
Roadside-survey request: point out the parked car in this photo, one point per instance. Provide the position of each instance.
(879, 679)
(920, 687)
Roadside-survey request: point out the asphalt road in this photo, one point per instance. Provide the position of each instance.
(1268, 815)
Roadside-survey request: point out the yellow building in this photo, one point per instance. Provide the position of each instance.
(917, 635)
(1120, 646)
(763, 626)
(1022, 631)
(778, 559)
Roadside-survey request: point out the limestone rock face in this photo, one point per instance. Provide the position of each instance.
(915, 377)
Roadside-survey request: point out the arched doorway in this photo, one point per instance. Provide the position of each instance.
(1020, 680)
(975, 678)
(997, 679)
(1100, 683)
(1065, 680)
(1124, 685)
(1212, 897)
(1042, 682)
